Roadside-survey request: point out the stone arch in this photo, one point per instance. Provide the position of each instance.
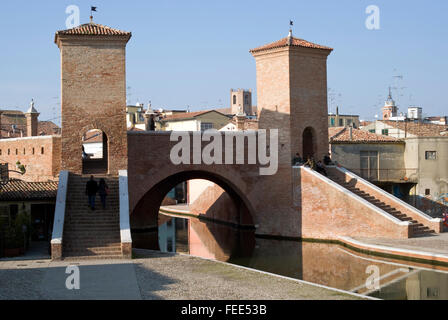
(309, 143)
(145, 213)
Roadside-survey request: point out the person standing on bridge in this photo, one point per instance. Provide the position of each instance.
(103, 190)
(91, 190)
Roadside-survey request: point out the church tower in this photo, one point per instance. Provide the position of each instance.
(93, 93)
(389, 109)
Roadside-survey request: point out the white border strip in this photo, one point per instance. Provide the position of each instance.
(366, 246)
(390, 196)
(28, 138)
(59, 213)
(125, 229)
(356, 197)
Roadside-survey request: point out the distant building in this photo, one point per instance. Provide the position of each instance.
(18, 124)
(194, 121)
(408, 159)
(241, 99)
(415, 113)
(343, 120)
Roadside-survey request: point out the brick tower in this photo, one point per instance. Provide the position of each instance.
(292, 95)
(93, 92)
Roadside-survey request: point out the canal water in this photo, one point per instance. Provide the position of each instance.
(322, 263)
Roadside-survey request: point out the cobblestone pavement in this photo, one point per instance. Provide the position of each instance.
(151, 275)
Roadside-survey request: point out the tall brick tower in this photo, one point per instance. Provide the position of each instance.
(93, 92)
(292, 95)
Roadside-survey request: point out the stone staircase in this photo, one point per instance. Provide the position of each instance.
(418, 228)
(87, 233)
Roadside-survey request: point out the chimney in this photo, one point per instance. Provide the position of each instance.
(350, 132)
(31, 120)
(240, 119)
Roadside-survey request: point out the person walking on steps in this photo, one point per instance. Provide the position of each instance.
(91, 190)
(103, 190)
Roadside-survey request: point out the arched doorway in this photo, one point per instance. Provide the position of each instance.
(308, 143)
(94, 152)
(145, 219)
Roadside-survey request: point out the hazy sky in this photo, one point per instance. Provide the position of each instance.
(192, 52)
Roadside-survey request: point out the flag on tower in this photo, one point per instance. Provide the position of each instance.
(93, 9)
(291, 23)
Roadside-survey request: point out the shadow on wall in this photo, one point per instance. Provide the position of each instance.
(432, 208)
(216, 204)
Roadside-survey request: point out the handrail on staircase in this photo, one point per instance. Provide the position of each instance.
(59, 216)
(125, 229)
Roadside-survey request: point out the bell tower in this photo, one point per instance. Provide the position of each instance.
(93, 93)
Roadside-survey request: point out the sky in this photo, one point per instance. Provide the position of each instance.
(191, 53)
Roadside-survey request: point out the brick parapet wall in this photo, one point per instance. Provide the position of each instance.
(389, 199)
(40, 155)
(328, 212)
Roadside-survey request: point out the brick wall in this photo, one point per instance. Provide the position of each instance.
(328, 212)
(93, 97)
(40, 155)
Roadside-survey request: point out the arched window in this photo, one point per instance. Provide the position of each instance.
(308, 143)
(234, 99)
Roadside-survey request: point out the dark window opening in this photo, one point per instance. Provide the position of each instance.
(431, 155)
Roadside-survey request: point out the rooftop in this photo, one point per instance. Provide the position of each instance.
(419, 129)
(342, 134)
(188, 115)
(92, 29)
(22, 190)
(295, 42)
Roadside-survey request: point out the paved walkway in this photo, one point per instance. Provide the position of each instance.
(152, 275)
(437, 244)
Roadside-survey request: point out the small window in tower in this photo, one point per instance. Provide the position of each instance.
(246, 99)
(9, 152)
(234, 99)
(17, 151)
(0, 152)
(32, 151)
(24, 151)
(42, 150)
(427, 192)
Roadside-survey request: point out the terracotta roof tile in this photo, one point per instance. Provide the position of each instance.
(22, 190)
(188, 115)
(93, 29)
(296, 42)
(342, 134)
(419, 129)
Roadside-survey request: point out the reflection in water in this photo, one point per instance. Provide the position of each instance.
(327, 264)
